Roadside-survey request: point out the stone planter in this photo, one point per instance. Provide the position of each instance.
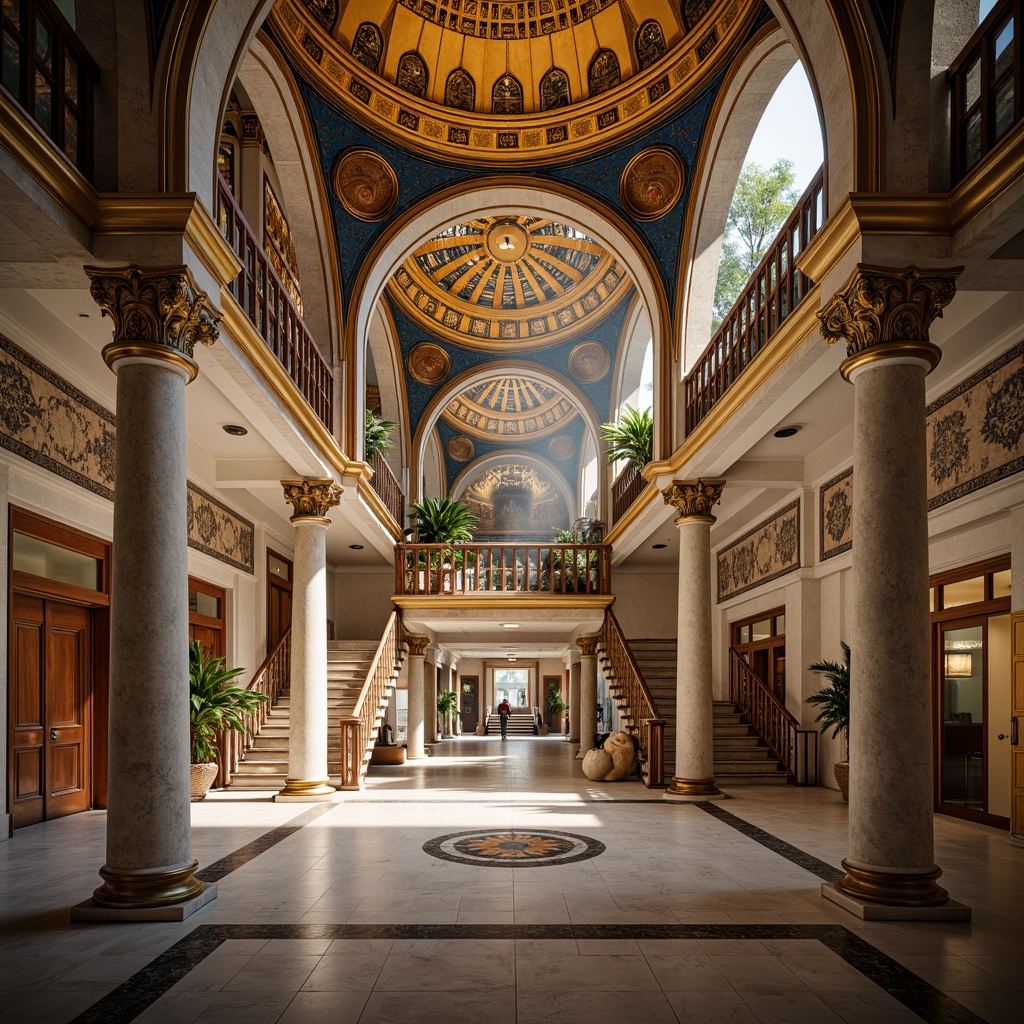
(842, 773)
(201, 779)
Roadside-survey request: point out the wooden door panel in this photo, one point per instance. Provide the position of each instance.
(26, 711)
(1017, 730)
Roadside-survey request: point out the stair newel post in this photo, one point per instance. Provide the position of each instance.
(352, 747)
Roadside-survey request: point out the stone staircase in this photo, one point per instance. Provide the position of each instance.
(520, 723)
(741, 757)
(266, 764)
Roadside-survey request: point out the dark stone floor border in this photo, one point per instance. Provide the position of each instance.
(143, 989)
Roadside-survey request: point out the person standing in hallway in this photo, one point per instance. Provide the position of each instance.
(504, 710)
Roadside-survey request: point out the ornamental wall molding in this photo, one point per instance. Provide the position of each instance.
(694, 499)
(311, 499)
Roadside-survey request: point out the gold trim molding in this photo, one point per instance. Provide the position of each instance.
(694, 499)
(587, 646)
(307, 788)
(912, 890)
(127, 890)
(693, 787)
(923, 350)
(311, 499)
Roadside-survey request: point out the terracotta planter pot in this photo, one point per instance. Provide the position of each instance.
(202, 776)
(842, 773)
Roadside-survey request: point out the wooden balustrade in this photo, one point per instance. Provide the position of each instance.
(626, 488)
(640, 717)
(358, 728)
(47, 69)
(796, 748)
(455, 569)
(387, 487)
(774, 290)
(261, 293)
(271, 678)
(985, 83)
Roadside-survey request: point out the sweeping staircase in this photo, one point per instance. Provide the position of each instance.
(520, 723)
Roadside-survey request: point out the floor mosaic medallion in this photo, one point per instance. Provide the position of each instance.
(513, 849)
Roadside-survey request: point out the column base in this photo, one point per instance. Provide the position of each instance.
(91, 911)
(296, 790)
(135, 890)
(692, 790)
(949, 911)
(892, 888)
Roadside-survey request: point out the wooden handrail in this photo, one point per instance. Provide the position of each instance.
(271, 678)
(774, 723)
(360, 727)
(459, 569)
(626, 488)
(641, 718)
(262, 294)
(774, 290)
(387, 487)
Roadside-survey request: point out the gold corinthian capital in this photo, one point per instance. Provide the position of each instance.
(694, 499)
(157, 313)
(417, 645)
(587, 646)
(886, 311)
(311, 498)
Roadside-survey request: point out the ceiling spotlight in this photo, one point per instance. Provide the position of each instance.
(235, 430)
(658, 547)
(506, 244)
(513, 659)
(786, 431)
(510, 625)
(84, 316)
(356, 547)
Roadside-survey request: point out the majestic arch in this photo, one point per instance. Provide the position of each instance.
(636, 337)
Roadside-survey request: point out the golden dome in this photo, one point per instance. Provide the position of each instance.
(511, 409)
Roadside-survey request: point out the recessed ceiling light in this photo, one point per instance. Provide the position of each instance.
(356, 547)
(786, 431)
(235, 430)
(658, 546)
(513, 659)
(84, 316)
(510, 625)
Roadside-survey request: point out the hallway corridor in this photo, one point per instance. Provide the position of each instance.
(372, 908)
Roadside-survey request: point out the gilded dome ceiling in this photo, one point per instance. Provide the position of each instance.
(512, 409)
(502, 280)
(509, 82)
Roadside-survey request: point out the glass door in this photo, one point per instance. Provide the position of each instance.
(962, 735)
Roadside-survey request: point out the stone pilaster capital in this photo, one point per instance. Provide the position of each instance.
(157, 313)
(694, 499)
(885, 311)
(417, 645)
(312, 499)
(587, 646)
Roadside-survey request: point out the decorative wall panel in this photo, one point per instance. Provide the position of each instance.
(215, 530)
(835, 519)
(768, 551)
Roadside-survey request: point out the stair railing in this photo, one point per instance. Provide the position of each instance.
(271, 678)
(796, 748)
(358, 728)
(646, 724)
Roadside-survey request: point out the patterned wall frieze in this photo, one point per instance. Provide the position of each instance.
(770, 550)
(217, 531)
(835, 515)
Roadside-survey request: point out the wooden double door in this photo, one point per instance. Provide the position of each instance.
(51, 690)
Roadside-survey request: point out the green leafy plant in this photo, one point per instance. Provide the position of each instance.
(442, 521)
(834, 699)
(631, 436)
(214, 704)
(555, 703)
(376, 435)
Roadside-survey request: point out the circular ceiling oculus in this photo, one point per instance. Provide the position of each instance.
(365, 184)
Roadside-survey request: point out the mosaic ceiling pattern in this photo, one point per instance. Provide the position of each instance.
(510, 408)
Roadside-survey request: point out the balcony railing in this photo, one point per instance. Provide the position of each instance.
(626, 489)
(457, 569)
(985, 86)
(387, 487)
(773, 292)
(262, 295)
(49, 72)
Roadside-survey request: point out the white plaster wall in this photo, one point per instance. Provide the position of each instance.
(645, 601)
(362, 602)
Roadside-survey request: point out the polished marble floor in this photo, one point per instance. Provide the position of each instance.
(335, 912)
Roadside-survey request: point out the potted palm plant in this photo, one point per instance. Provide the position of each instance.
(442, 521)
(630, 437)
(376, 435)
(214, 705)
(834, 704)
(447, 708)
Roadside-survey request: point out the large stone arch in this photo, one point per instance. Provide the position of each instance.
(636, 334)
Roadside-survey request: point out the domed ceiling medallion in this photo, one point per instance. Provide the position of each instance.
(652, 182)
(365, 184)
(525, 282)
(589, 362)
(509, 409)
(461, 449)
(429, 363)
(562, 447)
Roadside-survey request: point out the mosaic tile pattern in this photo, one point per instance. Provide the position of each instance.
(835, 515)
(215, 530)
(519, 849)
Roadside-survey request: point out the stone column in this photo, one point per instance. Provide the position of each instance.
(430, 702)
(694, 778)
(588, 693)
(574, 702)
(308, 776)
(158, 316)
(417, 673)
(884, 315)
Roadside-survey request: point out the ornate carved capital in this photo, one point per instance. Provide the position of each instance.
(161, 308)
(417, 645)
(887, 306)
(694, 499)
(587, 646)
(311, 498)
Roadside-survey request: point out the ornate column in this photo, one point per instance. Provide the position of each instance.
(884, 315)
(430, 701)
(417, 682)
(159, 316)
(574, 702)
(588, 693)
(308, 777)
(694, 778)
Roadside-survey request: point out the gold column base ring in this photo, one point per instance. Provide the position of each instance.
(693, 787)
(307, 787)
(916, 890)
(127, 890)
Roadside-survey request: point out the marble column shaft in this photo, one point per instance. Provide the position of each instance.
(418, 669)
(588, 693)
(574, 702)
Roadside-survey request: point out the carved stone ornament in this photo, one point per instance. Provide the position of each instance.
(587, 646)
(884, 305)
(155, 307)
(417, 645)
(694, 499)
(311, 498)
(652, 182)
(365, 184)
